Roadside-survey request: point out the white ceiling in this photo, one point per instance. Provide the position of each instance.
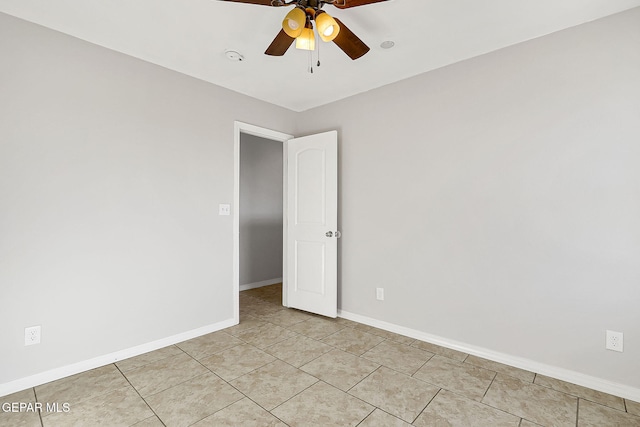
(190, 36)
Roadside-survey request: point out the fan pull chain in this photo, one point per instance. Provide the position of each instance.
(311, 62)
(319, 54)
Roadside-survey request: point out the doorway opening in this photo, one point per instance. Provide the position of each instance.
(259, 216)
(309, 219)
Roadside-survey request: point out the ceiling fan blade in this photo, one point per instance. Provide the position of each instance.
(260, 2)
(280, 44)
(345, 4)
(349, 42)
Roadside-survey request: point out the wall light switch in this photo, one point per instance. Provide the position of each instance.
(380, 294)
(224, 210)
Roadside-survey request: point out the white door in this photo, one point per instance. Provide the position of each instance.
(312, 220)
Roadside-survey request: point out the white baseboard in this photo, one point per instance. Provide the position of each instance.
(254, 285)
(567, 375)
(85, 365)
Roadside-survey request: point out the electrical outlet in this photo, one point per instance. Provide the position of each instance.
(32, 335)
(380, 294)
(615, 341)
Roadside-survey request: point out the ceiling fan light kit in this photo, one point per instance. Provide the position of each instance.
(298, 25)
(307, 39)
(294, 22)
(328, 28)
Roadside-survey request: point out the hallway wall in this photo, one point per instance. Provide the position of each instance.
(260, 210)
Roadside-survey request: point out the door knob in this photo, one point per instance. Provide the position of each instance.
(329, 234)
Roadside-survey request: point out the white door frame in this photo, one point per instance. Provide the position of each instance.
(238, 128)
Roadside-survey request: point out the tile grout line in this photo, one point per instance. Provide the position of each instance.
(40, 411)
(138, 393)
(298, 393)
(368, 415)
(422, 366)
(490, 405)
(177, 384)
(268, 411)
(394, 369)
(304, 363)
(490, 384)
(246, 373)
(457, 393)
(207, 416)
(228, 383)
(366, 376)
(148, 418)
(355, 397)
(425, 406)
(486, 404)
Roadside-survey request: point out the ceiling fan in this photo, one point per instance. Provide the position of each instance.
(298, 26)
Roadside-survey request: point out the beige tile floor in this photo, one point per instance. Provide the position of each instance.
(282, 367)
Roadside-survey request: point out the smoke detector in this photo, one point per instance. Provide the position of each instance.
(233, 55)
(387, 44)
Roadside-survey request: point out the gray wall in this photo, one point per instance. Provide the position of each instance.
(111, 172)
(497, 200)
(260, 209)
